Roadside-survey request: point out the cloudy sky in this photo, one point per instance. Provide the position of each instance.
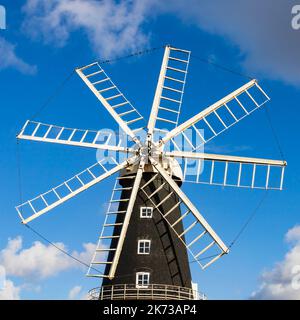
(45, 40)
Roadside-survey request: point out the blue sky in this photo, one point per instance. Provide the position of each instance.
(44, 43)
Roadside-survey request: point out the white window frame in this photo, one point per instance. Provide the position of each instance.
(139, 246)
(143, 274)
(146, 215)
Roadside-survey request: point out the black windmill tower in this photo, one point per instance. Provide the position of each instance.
(151, 228)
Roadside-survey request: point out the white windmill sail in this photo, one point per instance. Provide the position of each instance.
(111, 240)
(131, 202)
(42, 132)
(231, 171)
(109, 236)
(114, 101)
(167, 102)
(82, 181)
(204, 238)
(220, 116)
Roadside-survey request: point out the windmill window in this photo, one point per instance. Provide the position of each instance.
(144, 246)
(146, 212)
(142, 279)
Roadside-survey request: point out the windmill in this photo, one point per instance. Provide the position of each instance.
(151, 227)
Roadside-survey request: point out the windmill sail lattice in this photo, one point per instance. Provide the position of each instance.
(68, 189)
(151, 227)
(230, 170)
(219, 117)
(37, 131)
(130, 120)
(111, 230)
(196, 225)
(169, 92)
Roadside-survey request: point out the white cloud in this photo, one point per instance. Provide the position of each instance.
(293, 235)
(2, 276)
(9, 58)
(9, 291)
(111, 26)
(74, 293)
(283, 281)
(40, 261)
(261, 30)
(269, 47)
(77, 293)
